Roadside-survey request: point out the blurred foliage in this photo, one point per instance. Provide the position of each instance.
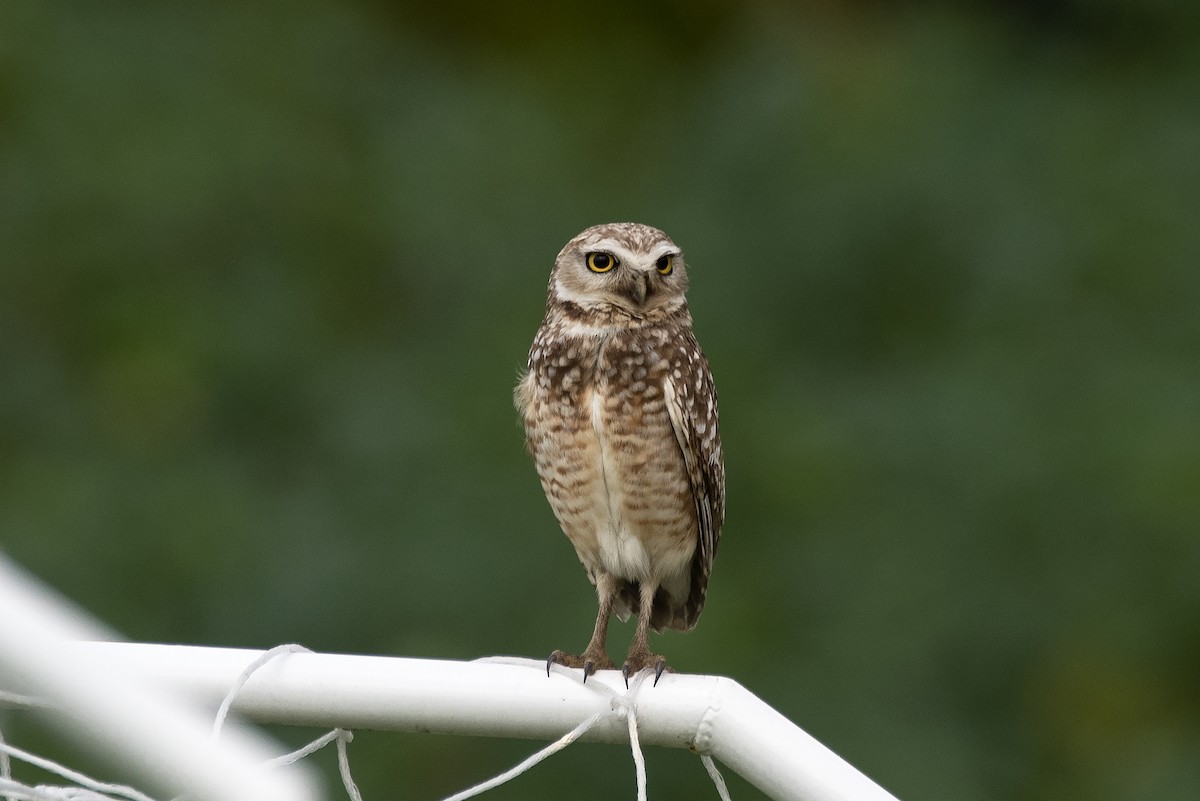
(268, 273)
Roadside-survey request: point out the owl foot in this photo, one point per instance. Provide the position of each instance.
(644, 659)
(588, 661)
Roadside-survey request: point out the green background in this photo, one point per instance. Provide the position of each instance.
(268, 274)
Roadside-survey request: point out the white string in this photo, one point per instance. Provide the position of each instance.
(627, 705)
(717, 778)
(5, 768)
(517, 770)
(639, 761)
(264, 658)
(344, 766)
(15, 790)
(301, 753)
(98, 788)
(622, 704)
(20, 792)
(342, 736)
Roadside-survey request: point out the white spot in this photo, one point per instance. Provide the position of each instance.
(578, 329)
(621, 553)
(598, 417)
(563, 293)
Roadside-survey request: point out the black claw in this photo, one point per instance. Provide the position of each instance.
(589, 668)
(550, 661)
(626, 672)
(658, 670)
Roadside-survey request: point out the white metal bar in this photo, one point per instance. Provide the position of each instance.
(508, 698)
(164, 739)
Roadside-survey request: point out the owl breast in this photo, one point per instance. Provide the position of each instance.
(598, 426)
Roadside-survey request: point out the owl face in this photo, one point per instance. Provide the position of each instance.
(634, 268)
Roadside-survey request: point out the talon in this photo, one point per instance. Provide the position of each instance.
(659, 667)
(589, 668)
(550, 661)
(626, 672)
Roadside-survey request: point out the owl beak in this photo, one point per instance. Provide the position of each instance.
(640, 288)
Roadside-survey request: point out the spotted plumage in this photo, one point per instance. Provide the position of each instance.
(620, 415)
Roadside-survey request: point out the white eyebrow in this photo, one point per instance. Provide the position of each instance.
(664, 248)
(610, 246)
(625, 254)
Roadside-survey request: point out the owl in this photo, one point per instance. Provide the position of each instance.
(620, 416)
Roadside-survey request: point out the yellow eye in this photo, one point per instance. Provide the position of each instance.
(600, 262)
(665, 264)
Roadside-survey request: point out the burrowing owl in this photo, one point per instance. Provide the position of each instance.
(620, 415)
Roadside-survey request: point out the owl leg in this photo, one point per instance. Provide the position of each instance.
(639, 652)
(595, 657)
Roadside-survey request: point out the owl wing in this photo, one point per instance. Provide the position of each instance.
(691, 399)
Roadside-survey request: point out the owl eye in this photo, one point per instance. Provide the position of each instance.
(665, 264)
(600, 262)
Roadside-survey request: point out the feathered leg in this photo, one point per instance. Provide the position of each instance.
(639, 652)
(595, 657)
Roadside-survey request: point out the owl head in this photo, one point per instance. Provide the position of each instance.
(628, 267)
